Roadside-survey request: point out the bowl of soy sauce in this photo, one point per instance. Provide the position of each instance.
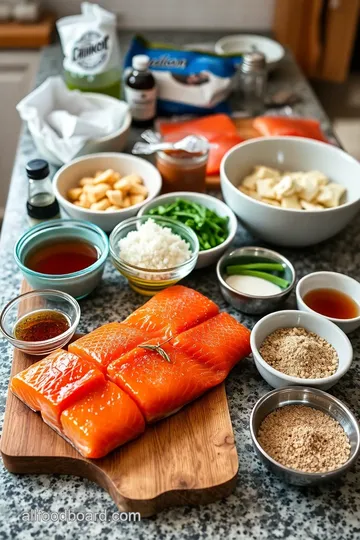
(63, 254)
(39, 322)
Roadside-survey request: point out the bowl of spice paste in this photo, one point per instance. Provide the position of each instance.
(63, 254)
(295, 347)
(38, 322)
(304, 435)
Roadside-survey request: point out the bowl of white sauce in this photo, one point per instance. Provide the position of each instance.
(255, 280)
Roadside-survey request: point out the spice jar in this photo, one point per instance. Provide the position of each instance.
(252, 82)
(182, 171)
(41, 204)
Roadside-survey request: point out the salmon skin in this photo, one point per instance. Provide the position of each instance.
(108, 343)
(199, 359)
(172, 311)
(55, 383)
(102, 420)
(218, 129)
(281, 126)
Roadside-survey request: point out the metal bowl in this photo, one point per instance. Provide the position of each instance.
(254, 305)
(302, 395)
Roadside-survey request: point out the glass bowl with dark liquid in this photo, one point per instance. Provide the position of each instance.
(39, 322)
(64, 254)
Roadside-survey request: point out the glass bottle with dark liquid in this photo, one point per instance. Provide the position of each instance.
(41, 204)
(140, 92)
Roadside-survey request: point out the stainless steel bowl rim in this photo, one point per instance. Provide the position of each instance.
(265, 252)
(318, 392)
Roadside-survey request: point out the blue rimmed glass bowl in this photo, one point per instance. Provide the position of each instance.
(149, 281)
(77, 284)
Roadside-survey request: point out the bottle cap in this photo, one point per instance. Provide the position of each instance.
(140, 62)
(253, 61)
(37, 169)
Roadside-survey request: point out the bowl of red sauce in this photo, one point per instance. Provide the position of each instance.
(38, 322)
(333, 295)
(63, 254)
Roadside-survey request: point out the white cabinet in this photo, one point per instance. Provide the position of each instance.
(17, 72)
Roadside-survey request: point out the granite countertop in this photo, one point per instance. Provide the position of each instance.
(261, 506)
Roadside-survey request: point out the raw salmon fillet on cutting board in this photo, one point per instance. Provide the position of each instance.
(196, 361)
(102, 420)
(55, 383)
(172, 311)
(218, 343)
(108, 343)
(98, 403)
(159, 387)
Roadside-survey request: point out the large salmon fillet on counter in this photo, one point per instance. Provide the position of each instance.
(101, 393)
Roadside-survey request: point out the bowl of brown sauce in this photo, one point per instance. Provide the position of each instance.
(38, 322)
(333, 295)
(63, 254)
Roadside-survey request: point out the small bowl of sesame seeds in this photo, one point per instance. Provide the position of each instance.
(296, 347)
(304, 435)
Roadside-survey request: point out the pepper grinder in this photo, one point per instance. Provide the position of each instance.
(252, 82)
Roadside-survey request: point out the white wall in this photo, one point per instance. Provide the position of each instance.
(178, 14)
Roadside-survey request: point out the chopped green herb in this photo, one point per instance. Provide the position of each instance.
(211, 229)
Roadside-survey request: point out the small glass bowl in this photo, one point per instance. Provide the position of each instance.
(78, 284)
(32, 301)
(147, 281)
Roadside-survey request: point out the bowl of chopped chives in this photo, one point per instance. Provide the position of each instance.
(255, 280)
(213, 222)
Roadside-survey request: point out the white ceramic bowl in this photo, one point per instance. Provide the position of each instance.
(330, 280)
(311, 322)
(69, 175)
(241, 43)
(210, 256)
(115, 142)
(282, 226)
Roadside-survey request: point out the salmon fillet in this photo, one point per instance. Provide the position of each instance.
(218, 343)
(55, 383)
(172, 311)
(199, 359)
(282, 125)
(102, 420)
(159, 387)
(108, 343)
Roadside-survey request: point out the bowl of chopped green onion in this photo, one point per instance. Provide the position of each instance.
(255, 280)
(213, 222)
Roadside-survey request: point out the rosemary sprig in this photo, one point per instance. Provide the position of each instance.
(157, 348)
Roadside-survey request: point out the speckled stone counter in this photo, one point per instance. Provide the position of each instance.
(261, 506)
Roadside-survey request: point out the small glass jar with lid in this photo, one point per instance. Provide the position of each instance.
(182, 171)
(252, 79)
(41, 204)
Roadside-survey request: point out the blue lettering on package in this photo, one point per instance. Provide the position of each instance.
(188, 81)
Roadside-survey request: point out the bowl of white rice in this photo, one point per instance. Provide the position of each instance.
(153, 253)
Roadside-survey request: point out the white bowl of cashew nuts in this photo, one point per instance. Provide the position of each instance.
(108, 199)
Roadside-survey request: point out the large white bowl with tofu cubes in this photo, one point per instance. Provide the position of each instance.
(291, 226)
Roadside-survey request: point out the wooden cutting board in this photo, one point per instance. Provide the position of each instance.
(189, 458)
(246, 131)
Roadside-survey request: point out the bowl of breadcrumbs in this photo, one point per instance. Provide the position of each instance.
(304, 435)
(296, 347)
